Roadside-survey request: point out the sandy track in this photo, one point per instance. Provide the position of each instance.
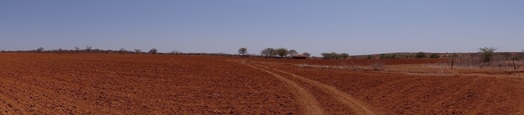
(305, 98)
(344, 98)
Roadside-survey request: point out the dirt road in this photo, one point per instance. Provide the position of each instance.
(308, 103)
(357, 106)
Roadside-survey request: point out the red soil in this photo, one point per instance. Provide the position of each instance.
(173, 84)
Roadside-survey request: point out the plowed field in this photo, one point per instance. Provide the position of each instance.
(178, 84)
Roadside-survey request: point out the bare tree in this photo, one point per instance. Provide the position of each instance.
(89, 48)
(242, 51)
(292, 52)
(77, 48)
(487, 53)
(307, 54)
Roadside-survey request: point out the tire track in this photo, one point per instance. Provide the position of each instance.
(306, 100)
(346, 99)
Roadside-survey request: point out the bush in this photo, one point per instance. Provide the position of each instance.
(122, 50)
(344, 55)
(40, 49)
(420, 55)
(388, 56)
(434, 56)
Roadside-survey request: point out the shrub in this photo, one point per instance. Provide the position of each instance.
(434, 56)
(388, 56)
(176, 52)
(344, 55)
(331, 55)
(370, 56)
(420, 55)
(122, 50)
(40, 49)
(138, 51)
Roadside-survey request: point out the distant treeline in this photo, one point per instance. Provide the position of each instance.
(122, 51)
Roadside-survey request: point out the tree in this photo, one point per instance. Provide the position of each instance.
(344, 55)
(487, 53)
(268, 52)
(325, 55)
(176, 52)
(89, 48)
(77, 48)
(307, 54)
(40, 49)
(292, 52)
(332, 55)
(153, 51)
(420, 55)
(370, 56)
(138, 51)
(242, 51)
(282, 52)
(122, 50)
(434, 55)
(388, 56)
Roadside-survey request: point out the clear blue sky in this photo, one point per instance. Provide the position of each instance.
(212, 26)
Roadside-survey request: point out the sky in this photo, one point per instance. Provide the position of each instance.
(223, 26)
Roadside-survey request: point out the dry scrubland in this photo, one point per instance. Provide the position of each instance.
(177, 84)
